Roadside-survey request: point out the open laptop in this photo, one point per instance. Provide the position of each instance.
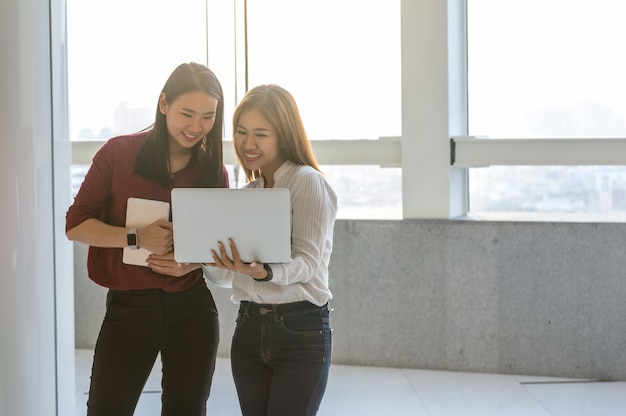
(258, 221)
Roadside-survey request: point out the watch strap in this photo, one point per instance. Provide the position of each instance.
(131, 239)
(269, 276)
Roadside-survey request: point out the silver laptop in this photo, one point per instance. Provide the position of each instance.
(257, 220)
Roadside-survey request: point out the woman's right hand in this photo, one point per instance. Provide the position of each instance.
(157, 237)
(255, 269)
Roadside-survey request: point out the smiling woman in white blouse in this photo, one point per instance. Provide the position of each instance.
(280, 352)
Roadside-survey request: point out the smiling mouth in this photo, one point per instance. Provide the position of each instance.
(191, 136)
(250, 157)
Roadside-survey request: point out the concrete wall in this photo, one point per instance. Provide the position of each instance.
(535, 298)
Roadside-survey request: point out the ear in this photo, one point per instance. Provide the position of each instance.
(162, 103)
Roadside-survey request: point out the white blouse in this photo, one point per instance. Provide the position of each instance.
(305, 278)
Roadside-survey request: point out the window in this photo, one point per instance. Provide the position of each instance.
(542, 69)
(342, 67)
(542, 72)
(341, 62)
(119, 56)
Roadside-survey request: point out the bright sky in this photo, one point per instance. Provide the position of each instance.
(544, 54)
(124, 50)
(343, 67)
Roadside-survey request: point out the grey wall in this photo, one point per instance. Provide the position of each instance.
(529, 298)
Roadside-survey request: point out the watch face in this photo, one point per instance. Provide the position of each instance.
(131, 239)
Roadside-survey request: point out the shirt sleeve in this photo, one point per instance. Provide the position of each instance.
(226, 183)
(94, 192)
(217, 276)
(314, 209)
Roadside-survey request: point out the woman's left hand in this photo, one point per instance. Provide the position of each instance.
(166, 264)
(255, 269)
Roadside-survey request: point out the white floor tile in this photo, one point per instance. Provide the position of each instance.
(582, 398)
(473, 394)
(366, 391)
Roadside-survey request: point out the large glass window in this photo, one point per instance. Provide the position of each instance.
(547, 69)
(341, 61)
(119, 56)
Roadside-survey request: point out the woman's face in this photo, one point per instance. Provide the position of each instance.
(256, 142)
(189, 117)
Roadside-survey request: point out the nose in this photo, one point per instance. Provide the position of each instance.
(249, 142)
(195, 124)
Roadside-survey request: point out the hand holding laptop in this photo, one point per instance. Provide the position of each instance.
(167, 264)
(256, 270)
(157, 237)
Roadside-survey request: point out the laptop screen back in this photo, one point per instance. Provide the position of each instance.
(258, 220)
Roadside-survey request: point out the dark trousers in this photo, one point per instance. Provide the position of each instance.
(280, 357)
(139, 324)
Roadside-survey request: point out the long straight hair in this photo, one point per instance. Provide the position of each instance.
(153, 159)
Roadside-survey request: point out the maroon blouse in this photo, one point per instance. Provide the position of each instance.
(107, 186)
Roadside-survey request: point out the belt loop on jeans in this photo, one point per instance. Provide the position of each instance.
(246, 308)
(276, 317)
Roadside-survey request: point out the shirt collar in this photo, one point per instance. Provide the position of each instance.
(282, 170)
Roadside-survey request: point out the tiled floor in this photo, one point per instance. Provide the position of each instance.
(365, 391)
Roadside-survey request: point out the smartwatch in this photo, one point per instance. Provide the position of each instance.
(131, 239)
(269, 276)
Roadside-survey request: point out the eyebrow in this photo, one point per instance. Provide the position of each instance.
(193, 111)
(239, 126)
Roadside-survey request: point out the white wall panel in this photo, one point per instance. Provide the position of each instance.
(28, 364)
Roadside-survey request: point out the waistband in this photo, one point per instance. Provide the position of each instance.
(253, 308)
(199, 283)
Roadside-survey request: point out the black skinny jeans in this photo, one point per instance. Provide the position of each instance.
(139, 324)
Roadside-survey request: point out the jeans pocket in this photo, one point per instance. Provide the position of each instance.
(310, 323)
